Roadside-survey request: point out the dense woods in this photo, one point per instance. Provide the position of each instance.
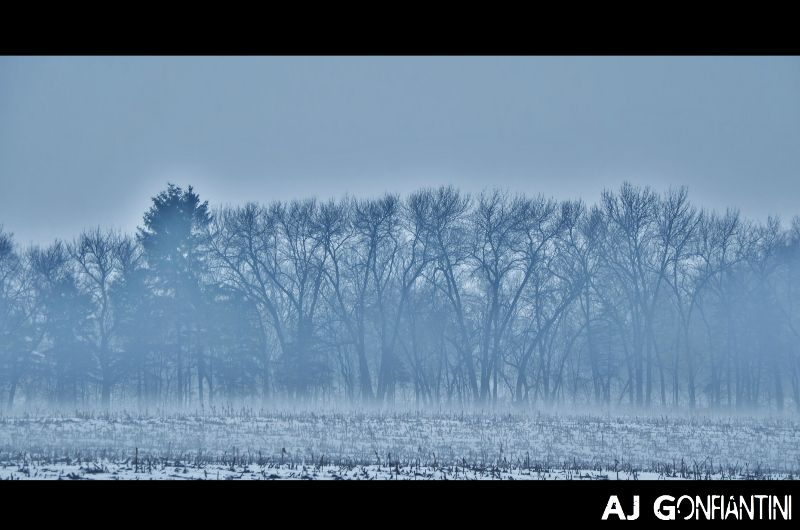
(641, 299)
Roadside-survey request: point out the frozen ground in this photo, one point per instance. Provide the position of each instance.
(348, 445)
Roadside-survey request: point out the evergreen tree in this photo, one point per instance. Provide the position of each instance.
(172, 240)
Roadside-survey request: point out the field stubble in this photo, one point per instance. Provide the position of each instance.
(249, 444)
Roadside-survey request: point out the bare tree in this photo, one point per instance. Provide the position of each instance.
(99, 260)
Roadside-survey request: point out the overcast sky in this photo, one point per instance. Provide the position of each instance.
(87, 141)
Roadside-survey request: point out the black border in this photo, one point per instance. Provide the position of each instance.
(397, 29)
(401, 504)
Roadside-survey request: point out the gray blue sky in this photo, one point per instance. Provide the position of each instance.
(86, 141)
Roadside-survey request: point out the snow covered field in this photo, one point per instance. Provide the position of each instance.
(247, 444)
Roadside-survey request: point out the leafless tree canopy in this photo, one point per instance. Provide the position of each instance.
(641, 299)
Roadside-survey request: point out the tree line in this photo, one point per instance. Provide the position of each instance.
(439, 297)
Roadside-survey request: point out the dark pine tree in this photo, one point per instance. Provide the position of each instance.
(172, 241)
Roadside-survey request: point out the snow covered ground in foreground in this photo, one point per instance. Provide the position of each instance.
(400, 445)
(124, 471)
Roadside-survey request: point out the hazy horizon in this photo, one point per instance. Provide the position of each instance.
(87, 141)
